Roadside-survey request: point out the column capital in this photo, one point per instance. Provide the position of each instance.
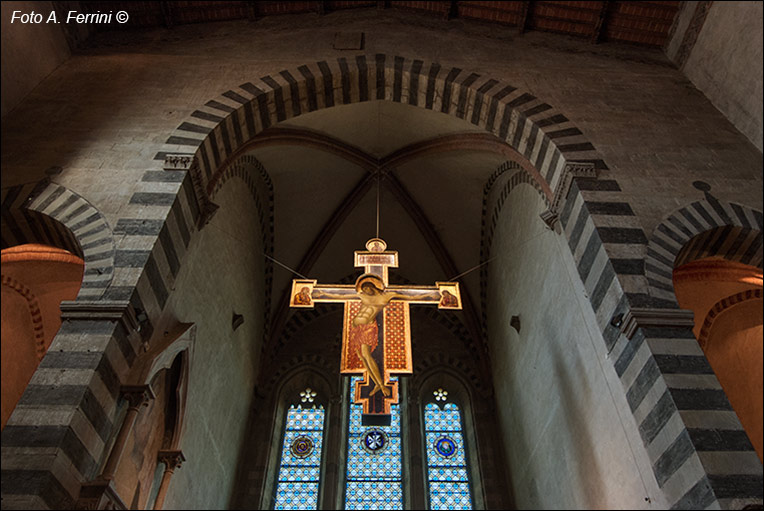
(571, 170)
(99, 494)
(137, 395)
(90, 310)
(172, 458)
(643, 317)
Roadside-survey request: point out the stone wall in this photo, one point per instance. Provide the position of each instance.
(718, 46)
(31, 51)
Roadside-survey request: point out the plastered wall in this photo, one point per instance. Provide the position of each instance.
(569, 438)
(223, 275)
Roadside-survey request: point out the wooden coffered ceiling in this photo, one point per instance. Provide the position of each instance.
(643, 23)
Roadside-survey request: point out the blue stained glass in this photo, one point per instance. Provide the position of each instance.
(300, 470)
(373, 480)
(447, 475)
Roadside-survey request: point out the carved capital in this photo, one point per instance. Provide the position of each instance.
(639, 318)
(178, 161)
(99, 494)
(551, 219)
(207, 208)
(571, 170)
(137, 395)
(121, 312)
(171, 458)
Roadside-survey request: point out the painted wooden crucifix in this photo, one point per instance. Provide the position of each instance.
(376, 334)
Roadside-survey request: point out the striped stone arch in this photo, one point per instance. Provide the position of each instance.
(46, 212)
(706, 228)
(603, 233)
(553, 150)
(217, 132)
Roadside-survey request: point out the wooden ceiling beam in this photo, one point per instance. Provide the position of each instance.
(599, 27)
(526, 15)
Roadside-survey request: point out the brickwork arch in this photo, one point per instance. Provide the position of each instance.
(255, 177)
(721, 306)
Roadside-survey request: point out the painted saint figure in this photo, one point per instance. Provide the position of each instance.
(448, 300)
(303, 297)
(370, 289)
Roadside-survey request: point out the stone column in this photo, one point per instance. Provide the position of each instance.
(137, 396)
(101, 493)
(172, 460)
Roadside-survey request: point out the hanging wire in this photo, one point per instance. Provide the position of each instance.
(472, 269)
(285, 266)
(377, 203)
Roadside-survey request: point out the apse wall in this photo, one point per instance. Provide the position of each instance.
(223, 274)
(569, 438)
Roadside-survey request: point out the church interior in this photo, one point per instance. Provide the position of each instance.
(559, 203)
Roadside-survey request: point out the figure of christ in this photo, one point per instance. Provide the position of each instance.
(370, 289)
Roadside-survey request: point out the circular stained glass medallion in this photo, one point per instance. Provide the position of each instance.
(374, 440)
(445, 446)
(301, 447)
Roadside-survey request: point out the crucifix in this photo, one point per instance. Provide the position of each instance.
(376, 334)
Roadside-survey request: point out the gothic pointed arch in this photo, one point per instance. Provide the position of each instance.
(303, 396)
(446, 408)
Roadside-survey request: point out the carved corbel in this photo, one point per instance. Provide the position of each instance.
(640, 318)
(207, 208)
(178, 161)
(572, 170)
(121, 312)
(99, 494)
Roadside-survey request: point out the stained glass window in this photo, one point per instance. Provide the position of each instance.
(300, 470)
(373, 475)
(447, 478)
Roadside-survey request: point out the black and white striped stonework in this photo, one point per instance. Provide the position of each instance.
(153, 242)
(738, 244)
(56, 437)
(699, 450)
(217, 130)
(603, 233)
(51, 214)
(702, 229)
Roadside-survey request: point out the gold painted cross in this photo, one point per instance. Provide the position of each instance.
(376, 334)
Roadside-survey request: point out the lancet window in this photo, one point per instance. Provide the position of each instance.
(300, 466)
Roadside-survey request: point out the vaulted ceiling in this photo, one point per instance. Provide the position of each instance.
(428, 169)
(643, 23)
